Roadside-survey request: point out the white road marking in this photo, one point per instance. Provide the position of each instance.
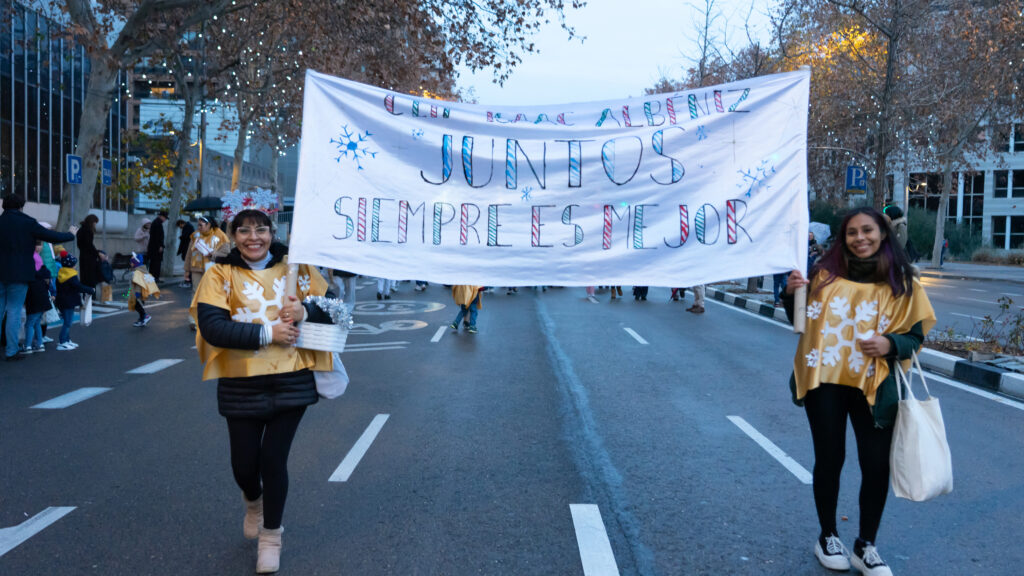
(373, 346)
(975, 300)
(973, 317)
(749, 313)
(635, 336)
(348, 465)
(1012, 294)
(592, 538)
(11, 537)
(793, 466)
(439, 334)
(976, 391)
(593, 300)
(977, 290)
(70, 398)
(154, 367)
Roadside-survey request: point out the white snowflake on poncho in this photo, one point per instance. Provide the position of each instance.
(883, 323)
(227, 287)
(814, 358)
(254, 291)
(814, 310)
(304, 283)
(841, 307)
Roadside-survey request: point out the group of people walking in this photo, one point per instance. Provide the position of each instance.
(265, 384)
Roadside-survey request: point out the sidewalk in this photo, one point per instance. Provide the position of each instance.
(973, 271)
(985, 376)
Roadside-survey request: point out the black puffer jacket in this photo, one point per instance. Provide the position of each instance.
(255, 396)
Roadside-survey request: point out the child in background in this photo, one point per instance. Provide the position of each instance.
(69, 297)
(468, 300)
(36, 303)
(143, 286)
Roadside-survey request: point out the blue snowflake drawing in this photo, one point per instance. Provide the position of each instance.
(526, 193)
(353, 145)
(701, 134)
(754, 179)
(417, 133)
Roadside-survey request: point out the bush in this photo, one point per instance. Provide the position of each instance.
(963, 243)
(993, 256)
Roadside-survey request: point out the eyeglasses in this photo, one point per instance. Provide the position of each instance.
(248, 230)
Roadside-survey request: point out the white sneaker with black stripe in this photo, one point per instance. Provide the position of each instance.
(866, 559)
(831, 553)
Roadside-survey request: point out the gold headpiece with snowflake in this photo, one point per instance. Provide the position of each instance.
(260, 199)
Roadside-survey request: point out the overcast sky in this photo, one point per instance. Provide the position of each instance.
(629, 45)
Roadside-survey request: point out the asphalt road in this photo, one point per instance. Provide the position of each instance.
(485, 446)
(962, 305)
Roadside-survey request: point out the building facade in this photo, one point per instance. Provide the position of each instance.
(43, 76)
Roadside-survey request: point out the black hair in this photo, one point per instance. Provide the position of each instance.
(13, 202)
(90, 219)
(893, 211)
(210, 220)
(253, 217)
(893, 264)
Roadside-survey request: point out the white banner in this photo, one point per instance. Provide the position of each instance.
(666, 190)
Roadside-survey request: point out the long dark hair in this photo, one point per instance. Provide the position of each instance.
(893, 264)
(90, 222)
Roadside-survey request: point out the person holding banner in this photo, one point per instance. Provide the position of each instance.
(246, 340)
(866, 312)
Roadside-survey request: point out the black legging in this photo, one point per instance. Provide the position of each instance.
(259, 459)
(827, 409)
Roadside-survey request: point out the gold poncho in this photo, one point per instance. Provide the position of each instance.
(143, 283)
(216, 243)
(255, 296)
(844, 312)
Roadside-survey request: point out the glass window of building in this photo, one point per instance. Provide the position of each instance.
(1018, 137)
(1018, 183)
(1002, 183)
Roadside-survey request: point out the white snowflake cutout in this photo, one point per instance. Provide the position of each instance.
(814, 310)
(883, 323)
(227, 287)
(304, 282)
(871, 369)
(254, 291)
(813, 359)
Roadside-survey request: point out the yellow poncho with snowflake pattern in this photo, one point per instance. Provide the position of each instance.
(144, 284)
(838, 316)
(255, 296)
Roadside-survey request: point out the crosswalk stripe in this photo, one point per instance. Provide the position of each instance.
(11, 537)
(71, 398)
(348, 465)
(156, 366)
(592, 538)
(793, 466)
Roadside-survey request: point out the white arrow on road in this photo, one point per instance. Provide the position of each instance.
(11, 537)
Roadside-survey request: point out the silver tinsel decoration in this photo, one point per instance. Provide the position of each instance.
(334, 307)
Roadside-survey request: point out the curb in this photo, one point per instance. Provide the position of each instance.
(983, 376)
(955, 276)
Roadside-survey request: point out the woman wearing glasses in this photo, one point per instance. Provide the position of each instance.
(246, 340)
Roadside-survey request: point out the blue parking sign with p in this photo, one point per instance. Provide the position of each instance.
(108, 176)
(74, 169)
(856, 180)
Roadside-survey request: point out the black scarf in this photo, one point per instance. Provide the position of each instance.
(864, 269)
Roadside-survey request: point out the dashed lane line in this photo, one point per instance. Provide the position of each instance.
(71, 398)
(439, 334)
(973, 317)
(11, 537)
(348, 465)
(793, 466)
(154, 367)
(592, 538)
(635, 336)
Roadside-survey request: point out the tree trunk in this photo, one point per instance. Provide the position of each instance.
(184, 154)
(274, 156)
(98, 100)
(882, 146)
(940, 218)
(236, 169)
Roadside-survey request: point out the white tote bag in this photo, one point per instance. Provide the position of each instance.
(87, 310)
(332, 384)
(920, 462)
